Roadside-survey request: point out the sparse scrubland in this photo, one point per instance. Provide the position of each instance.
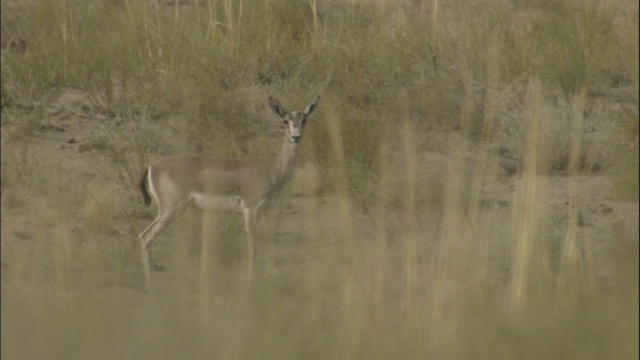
(402, 235)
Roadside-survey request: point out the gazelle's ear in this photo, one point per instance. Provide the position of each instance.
(277, 107)
(312, 106)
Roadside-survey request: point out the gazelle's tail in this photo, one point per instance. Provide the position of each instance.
(143, 187)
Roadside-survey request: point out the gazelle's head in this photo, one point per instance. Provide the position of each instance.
(294, 121)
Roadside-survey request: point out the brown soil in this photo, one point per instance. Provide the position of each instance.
(73, 124)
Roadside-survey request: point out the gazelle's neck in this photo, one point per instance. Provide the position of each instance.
(285, 163)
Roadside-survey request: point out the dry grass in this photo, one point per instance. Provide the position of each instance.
(400, 237)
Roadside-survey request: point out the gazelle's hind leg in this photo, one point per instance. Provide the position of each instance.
(250, 220)
(165, 216)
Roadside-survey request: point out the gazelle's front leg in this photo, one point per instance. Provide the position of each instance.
(250, 221)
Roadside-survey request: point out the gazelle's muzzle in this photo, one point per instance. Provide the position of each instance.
(295, 132)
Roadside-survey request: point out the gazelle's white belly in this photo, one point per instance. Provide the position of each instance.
(231, 203)
(228, 203)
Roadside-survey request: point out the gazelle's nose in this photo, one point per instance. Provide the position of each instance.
(296, 138)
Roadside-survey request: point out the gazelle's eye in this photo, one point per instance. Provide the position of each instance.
(286, 122)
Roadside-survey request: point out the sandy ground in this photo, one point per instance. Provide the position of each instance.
(72, 124)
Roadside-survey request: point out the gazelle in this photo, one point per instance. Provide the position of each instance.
(245, 186)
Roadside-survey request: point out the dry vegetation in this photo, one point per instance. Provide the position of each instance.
(401, 235)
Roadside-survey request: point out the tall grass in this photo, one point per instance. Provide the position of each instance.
(387, 244)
